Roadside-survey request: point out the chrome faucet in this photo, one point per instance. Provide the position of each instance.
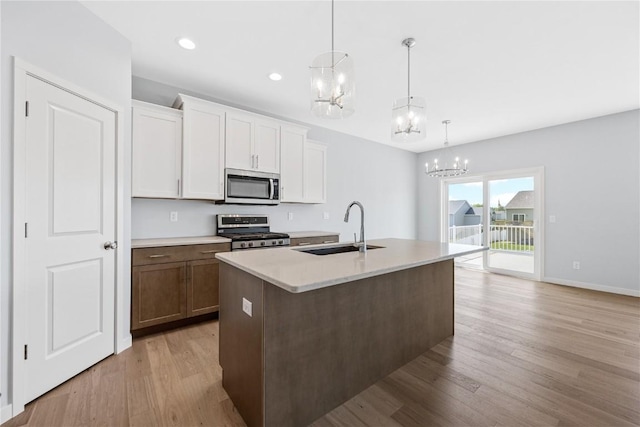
(363, 243)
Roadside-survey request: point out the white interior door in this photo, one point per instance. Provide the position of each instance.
(70, 215)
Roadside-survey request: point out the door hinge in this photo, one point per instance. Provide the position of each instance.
(26, 109)
(26, 232)
(25, 352)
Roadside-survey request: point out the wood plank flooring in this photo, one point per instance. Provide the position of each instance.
(525, 353)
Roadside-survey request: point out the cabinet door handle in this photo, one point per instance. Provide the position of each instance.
(304, 243)
(329, 241)
(253, 161)
(158, 256)
(257, 161)
(210, 252)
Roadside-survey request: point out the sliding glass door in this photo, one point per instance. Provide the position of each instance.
(464, 222)
(502, 211)
(511, 236)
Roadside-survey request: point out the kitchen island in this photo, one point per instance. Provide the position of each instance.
(302, 333)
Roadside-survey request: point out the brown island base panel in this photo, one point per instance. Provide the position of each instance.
(299, 355)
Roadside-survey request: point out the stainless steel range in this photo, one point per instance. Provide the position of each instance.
(249, 232)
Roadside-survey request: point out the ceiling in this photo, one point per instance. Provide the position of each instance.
(492, 68)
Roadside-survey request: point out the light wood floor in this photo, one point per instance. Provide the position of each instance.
(524, 353)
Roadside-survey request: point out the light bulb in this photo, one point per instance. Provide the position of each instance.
(341, 78)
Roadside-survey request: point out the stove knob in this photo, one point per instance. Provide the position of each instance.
(273, 242)
(281, 242)
(250, 244)
(243, 245)
(262, 243)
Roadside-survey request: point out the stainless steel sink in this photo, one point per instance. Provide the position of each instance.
(336, 249)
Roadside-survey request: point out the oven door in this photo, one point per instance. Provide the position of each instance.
(250, 187)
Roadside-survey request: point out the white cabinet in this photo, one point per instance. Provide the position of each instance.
(252, 143)
(303, 168)
(202, 148)
(292, 143)
(239, 141)
(183, 154)
(266, 146)
(156, 151)
(315, 172)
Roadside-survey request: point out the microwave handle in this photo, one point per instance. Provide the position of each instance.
(271, 186)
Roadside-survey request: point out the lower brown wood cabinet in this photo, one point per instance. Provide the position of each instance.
(174, 282)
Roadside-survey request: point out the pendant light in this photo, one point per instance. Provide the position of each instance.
(332, 83)
(443, 171)
(408, 116)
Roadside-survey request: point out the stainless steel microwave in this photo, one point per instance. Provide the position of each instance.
(251, 187)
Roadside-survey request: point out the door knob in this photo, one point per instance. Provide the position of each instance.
(110, 245)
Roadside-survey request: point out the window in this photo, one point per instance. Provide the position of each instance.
(518, 217)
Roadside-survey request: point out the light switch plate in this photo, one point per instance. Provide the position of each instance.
(290, 216)
(325, 215)
(247, 307)
(552, 218)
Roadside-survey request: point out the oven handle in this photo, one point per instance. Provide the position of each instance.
(271, 186)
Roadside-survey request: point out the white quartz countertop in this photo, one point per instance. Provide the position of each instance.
(203, 240)
(296, 271)
(303, 234)
(177, 241)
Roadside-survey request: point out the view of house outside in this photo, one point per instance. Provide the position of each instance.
(511, 210)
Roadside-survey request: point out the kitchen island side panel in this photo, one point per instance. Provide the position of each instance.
(241, 342)
(323, 347)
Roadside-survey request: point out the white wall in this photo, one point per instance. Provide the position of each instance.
(591, 178)
(67, 40)
(382, 178)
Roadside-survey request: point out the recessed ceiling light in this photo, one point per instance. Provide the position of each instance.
(275, 77)
(186, 43)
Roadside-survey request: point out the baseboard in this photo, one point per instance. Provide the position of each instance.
(6, 413)
(124, 344)
(593, 286)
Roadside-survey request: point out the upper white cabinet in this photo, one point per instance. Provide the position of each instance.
(239, 141)
(303, 172)
(267, 145)
(292, 144)
(202, 148)
(183, 153)
(252, 143)
(315, 172)
(157, 148)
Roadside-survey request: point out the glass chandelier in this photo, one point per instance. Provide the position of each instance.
(332, 83)
(408, 116)
(443, 171)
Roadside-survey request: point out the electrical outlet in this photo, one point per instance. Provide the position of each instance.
(325, 215)
(247, 307)
(290, 216)
(173, 217)
(576, 265)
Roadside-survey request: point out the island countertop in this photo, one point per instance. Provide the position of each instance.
(296, 271)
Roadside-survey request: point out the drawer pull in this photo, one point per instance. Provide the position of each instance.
(329, 241)
(213, 251)
(304, 243)
(157, 256)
